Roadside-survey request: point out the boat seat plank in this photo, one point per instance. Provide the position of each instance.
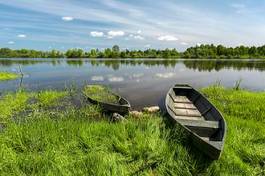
(181, 99)
(187, 112)
(200, 123)
(184, 106)
(202, 128)
(193, 112)
(180, 112)
(183, 87)
(177, 117)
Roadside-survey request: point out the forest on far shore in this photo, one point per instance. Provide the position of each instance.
(202, 51)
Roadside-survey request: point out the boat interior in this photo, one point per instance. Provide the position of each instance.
(196, 113)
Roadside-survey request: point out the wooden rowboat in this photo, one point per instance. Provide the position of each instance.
(199, 117)
(122, 107)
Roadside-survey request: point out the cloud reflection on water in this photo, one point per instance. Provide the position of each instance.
(165, 75)
(97, 78)
(115, 79)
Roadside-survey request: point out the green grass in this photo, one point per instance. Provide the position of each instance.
(244, 112)
(84, 142)
(11, 104)
(8, 76)
(100, 93)
(49, 98)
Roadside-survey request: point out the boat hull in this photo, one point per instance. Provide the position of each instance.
(122, 108)
(209, 134)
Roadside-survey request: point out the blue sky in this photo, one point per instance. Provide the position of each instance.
(137, 24)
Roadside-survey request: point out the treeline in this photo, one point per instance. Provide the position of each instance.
(114, 52)
(202, 51)
(26, 53)
(220, 51)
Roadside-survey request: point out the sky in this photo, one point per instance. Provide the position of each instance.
(134, 24)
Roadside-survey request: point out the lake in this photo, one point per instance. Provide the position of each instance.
(143, 81)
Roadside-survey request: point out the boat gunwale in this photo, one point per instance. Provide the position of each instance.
(112, 104)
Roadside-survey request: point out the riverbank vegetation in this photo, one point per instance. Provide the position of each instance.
(48, 133)
(202, 51)
(8, 76)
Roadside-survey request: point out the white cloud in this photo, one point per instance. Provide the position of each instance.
(67, 18)
(138, 37)
(165, 75)
(112, 34)
(139, 32)
(96, 34)
(184, 43)
(21, 36)
(116, 79)
(97, 78)
(147, 46)
(167, 38)
(11, 42)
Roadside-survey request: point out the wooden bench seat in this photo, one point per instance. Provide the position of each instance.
(180, 99)
(184, 106)
(202, 128)
(187, 112)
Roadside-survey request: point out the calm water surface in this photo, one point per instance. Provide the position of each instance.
(142, 82)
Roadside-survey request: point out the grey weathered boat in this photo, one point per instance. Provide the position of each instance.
(122, 107)
(199, 117)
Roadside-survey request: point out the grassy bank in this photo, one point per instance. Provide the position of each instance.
(8, 76)
(45, 133)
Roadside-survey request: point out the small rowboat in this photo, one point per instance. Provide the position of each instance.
(199, 117)
(122, 106)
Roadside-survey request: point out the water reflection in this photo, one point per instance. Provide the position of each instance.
(115, 64)
(12, 62)
(143, 81)
(217, 65)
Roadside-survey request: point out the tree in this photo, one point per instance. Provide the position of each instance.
(107, 53)
(74, 53)
(5, 52)
(93, 53)
(115, 51)
(253, 51)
